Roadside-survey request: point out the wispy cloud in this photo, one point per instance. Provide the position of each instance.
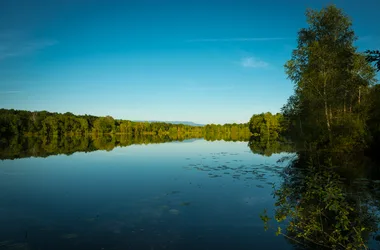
(241, 39)
(14, 44)
(252, 62)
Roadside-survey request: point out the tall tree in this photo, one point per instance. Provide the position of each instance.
(329, 77)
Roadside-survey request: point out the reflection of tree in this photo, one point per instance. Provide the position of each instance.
(266, 147)
(322, 208)
(43, 146)
(227, 137)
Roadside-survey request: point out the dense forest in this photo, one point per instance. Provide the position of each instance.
(43, 123)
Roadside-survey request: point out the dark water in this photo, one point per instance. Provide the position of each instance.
(177, 195)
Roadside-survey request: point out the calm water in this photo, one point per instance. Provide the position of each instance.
(178, 195)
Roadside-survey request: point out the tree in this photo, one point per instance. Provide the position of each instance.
(265, 125)
(104, 125)
(373, 123)
(330, 78)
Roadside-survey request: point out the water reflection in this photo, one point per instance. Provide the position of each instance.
(264, 146)
(23, 146)
(43, 146)
(327, 201)
(190, 195)
(210, 187)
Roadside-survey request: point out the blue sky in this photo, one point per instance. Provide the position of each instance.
(203, 61)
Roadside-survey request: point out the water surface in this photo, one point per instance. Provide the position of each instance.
(178, 195)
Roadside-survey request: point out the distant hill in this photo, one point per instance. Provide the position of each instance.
(179, 122)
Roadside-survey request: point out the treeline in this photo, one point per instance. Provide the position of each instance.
(18, 122)
(43, 123)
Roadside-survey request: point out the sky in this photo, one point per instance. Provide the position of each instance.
(186, 60)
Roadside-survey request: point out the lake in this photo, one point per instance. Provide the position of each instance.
(194, 194)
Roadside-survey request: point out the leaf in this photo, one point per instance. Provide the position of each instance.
(278, 232)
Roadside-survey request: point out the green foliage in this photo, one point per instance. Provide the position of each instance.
(104, 125)
(331, 118)
(265, 218)
(320, 213)
(266, 125)
(18, 122)
(332, 82)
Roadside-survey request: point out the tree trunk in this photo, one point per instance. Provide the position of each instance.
(344, 103)
(359, 96)
(299, 119)
(326, 106)
(327, 116)
(331, 116)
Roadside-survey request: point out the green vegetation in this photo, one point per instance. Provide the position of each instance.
(333, 84)
(43, 123)
(266, 125)
(322, 211)
(334, 121)
(25, 133)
